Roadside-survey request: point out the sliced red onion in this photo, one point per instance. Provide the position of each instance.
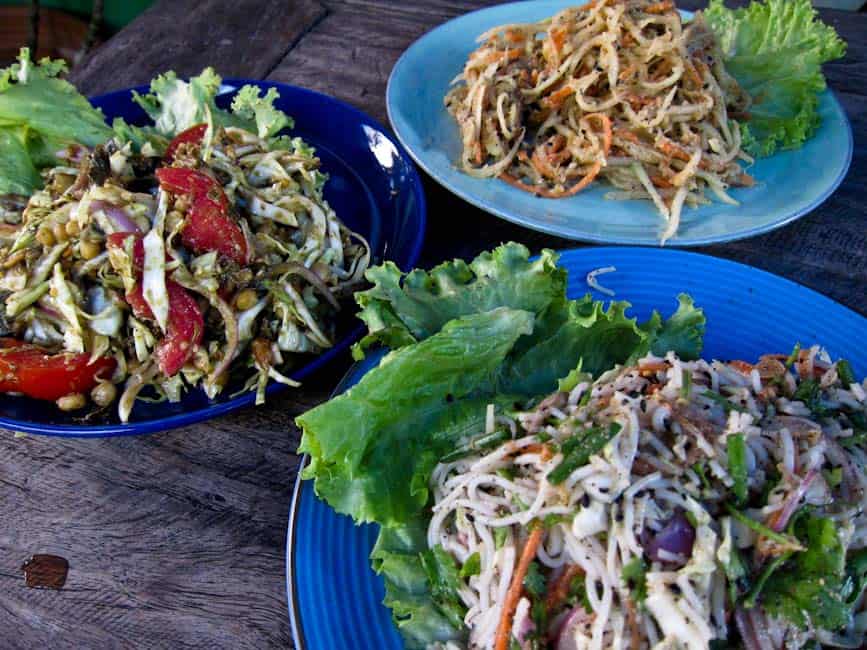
(118, 216)
(790, 505)
(576, 618)
(675, 538)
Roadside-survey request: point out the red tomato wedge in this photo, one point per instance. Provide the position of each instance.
(186, 325)
(194, 134)
(209, 226)
(29, 369)
(184, 331)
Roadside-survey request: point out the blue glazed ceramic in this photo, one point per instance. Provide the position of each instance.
(373, 187)
(789, 184)
(334, 596)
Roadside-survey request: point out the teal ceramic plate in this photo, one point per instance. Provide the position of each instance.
(790, 184)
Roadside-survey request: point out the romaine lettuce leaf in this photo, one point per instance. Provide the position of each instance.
(775, 50)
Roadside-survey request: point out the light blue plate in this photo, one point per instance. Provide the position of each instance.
(789, 184)
(334, 596)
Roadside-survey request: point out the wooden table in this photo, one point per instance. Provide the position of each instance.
(177, 539)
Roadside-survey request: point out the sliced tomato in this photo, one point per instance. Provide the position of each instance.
(192, 135)
(118, 240)
(29, 369)
(186, 325)
(184, 331)
(209, 227)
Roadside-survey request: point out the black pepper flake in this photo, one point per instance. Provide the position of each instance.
(585, 500)
(603, 490)
(674, 588)
(643, 405)
(625, 401)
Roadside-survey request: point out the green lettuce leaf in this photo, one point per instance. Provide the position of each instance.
(18, 174)
(176, 105)
(404, 308)
(397, 558)
(775, 50)
(41, 114)
(386, 420)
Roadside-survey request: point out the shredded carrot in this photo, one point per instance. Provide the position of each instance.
(627, 72)
(624, 134)
(606, 129)
(741, 366)
(659, 181)
(558, 97)
(515, 36)
(659, 7)
(550, 194)
(513, 595)
(478, 149)
(558, 590)
(558, 37)
(692, 73)
(535, 448)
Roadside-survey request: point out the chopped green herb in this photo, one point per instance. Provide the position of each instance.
(736, 572)
(585, 397)
(809, 392)
(534, 582)
(578, 593)
(685, 384)
(500, 535)
(833, 477)
(472, 567)
(691, 518)
(551, 520)
(856, 570)
(844, 372)
(698, 468)
(771, 566)
(507, 473)
(814, 591)
(736, 448)
(634, 576)
(578, 449)
(786, 541)
(477, 444)
(445, 582)
(723, 401)
(858, 420)
(543, 436)
(519, 502)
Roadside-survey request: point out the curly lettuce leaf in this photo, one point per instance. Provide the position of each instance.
(269, 120)
(401, 309)
(775, 50)
(176, 105)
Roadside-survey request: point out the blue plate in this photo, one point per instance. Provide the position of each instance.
(334, 596)
(373, 187)
(789, 184)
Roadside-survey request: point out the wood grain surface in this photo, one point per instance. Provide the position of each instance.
(176, 540)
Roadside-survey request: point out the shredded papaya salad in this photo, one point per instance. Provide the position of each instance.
(176, 256)
(667, 504)
(617, 90)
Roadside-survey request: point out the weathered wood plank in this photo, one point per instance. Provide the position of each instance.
(243, 38)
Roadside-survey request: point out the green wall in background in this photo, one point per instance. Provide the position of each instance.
(117, 12)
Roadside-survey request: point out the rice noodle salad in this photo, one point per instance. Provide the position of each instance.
(667, 504)
(623, 91)
(198, 252)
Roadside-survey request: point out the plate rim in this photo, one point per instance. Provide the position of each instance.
(506, 214)
(213, 410)
(293, 604)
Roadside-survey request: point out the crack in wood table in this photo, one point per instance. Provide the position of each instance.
(176, 540)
